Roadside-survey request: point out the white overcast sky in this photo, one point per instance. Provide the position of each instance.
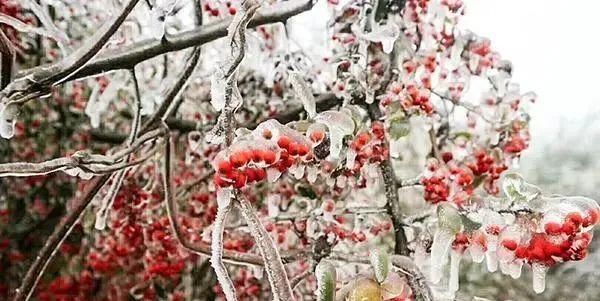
(555, 48)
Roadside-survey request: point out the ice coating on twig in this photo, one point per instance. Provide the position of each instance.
(303, 92)
(442, 241)
(216, 258)
(276, 273)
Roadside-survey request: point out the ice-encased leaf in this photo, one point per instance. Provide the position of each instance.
(517, 190)
(449, 218)
(380, 261)
(364, 289)
(395, 286)
(326, 278)
(303, 92)
(399, 127)
(339, 125)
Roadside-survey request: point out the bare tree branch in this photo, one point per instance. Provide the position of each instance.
(7, 60)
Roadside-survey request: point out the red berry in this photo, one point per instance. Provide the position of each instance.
(224, 167)
(509, 244)
(521, 252)
(232, 10)
(239, 159)
(284, 142)
(268, 156)
(552, 228)
(317, 136)
(575, 218)
(302, 150)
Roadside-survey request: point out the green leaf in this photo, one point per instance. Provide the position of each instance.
(326, 277)
(307, 192)
(380, 260)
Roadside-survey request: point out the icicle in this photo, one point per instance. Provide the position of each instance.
(312, 173)
(297, 170)
(273, 202)
(442, 241)
(386, 34)
(455, 258)
(539, 277)
(94, 107)
(491, 260)
(350, 158)
(8, 119)
(339, 125)
(303, 92)
(326, 278)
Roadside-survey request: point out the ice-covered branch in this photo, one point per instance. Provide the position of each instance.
(225, 95)
(278, 278)
(127, 57)
(216, 258)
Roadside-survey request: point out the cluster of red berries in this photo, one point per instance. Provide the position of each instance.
(559, 242)
(369, 146)
(69, 288)
(249, 164)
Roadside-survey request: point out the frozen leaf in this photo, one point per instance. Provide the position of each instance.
(399, 127)
(517, 190)
(380, 261)
(326, 278)
(303, 92)
(386, 34)
(449, 218)
(364, 289)
(395, 286)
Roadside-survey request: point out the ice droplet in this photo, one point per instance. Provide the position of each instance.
(312, 173)
(442, 241)
(491, 259)
(386, 34)
(273, 202)
(539, 277)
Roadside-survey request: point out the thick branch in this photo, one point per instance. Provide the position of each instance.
(391, 193)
